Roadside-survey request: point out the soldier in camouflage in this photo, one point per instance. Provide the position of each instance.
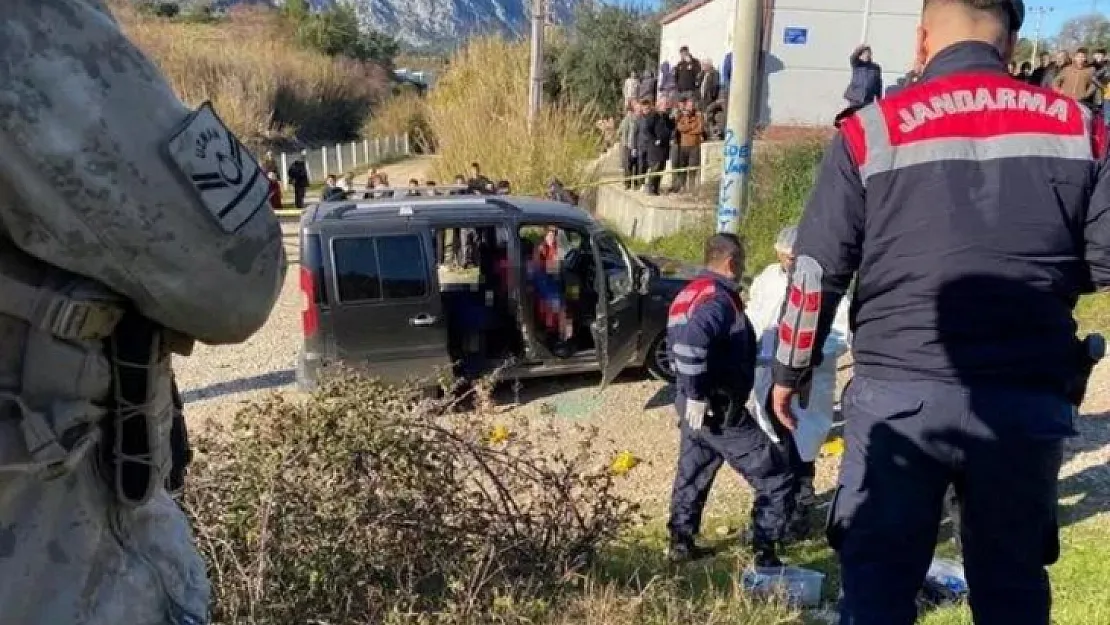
(130, 227)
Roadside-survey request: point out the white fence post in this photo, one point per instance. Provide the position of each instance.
(377, 148)
(339, 159)
(405, 141)
(366, 150)
(324, 161)
(284, 173)
(354, 155)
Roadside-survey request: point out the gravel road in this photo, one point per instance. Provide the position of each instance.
(633, 414)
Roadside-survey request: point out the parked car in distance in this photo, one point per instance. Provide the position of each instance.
(402, 287)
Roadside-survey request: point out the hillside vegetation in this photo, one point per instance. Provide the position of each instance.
(478, 112)
(264, 84)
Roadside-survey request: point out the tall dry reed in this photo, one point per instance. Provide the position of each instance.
(478, 112)
(259, 80)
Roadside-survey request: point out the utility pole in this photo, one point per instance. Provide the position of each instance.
(535, 83)
(736, 167)
(1040, 12)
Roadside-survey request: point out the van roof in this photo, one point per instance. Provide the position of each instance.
(445, 207)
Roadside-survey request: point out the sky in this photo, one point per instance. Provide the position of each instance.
(1059, 12)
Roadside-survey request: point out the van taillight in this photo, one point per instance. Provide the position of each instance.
(310, 316)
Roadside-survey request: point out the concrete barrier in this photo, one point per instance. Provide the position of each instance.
(646, 217)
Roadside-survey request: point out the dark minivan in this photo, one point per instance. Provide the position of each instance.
(405, 287)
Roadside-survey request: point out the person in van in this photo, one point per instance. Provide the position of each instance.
(414, 188)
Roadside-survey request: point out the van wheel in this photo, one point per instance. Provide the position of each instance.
(658, 362)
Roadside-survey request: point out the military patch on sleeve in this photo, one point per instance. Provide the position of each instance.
(226, 177)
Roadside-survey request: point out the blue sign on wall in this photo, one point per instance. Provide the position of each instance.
(794, 36)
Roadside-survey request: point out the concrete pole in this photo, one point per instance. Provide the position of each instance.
(324, 161)
(284, 173)
(736, 167)
(339, 159)
(865, 33)
(366, 150)
(535, 83)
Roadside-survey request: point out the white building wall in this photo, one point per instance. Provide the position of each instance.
(804, 83)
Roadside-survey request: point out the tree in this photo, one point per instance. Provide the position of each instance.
(336, 32)
(1092, 31)
(296, 11)
(605, 44)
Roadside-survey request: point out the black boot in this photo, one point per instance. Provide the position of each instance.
(766, 556)
(683, 550)
(801, 525)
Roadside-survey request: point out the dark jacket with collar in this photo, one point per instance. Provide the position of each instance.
(866, 84)
(712, 345)
(973, 210)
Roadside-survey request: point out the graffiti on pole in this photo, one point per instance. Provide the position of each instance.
(734, 170)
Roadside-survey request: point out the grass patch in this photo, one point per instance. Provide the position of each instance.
(783, 179)
(477, 112)
(782, 182)
(1080, 593)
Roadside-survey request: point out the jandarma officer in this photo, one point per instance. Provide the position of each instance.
(973, 210)
(713, 348)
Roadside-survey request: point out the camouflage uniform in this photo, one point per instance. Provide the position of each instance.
(113, 198)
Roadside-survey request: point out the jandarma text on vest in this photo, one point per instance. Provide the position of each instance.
(961, 101)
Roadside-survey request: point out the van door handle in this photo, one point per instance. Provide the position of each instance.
(423, 319)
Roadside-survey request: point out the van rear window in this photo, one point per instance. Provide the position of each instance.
(376, 268)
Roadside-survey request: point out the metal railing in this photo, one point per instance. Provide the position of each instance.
(341, 158)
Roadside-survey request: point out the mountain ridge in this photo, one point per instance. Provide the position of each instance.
(439, 24)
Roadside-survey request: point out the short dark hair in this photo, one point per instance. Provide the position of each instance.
(475, 165)
(1081, 50)
(1100, 51)
(1009, 12)
(431, 183)
(722, 246)
(683, 49)
(647, 102)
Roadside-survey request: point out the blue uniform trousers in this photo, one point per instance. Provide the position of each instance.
(751, 453)
(1001, 448)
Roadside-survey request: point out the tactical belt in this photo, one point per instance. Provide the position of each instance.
(53, 450)
(61, 316)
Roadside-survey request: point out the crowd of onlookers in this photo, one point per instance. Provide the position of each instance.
(665, 119)
(1081, 75)
(378, 186)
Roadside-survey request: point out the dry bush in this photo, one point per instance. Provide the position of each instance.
(367, 503)
(478, 112)
(256, 76)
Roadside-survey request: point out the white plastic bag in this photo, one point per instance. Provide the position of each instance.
(768, 292)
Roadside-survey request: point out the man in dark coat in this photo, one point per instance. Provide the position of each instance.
(867, 78)
(710, 89)
(298, 177)
(653, 144)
